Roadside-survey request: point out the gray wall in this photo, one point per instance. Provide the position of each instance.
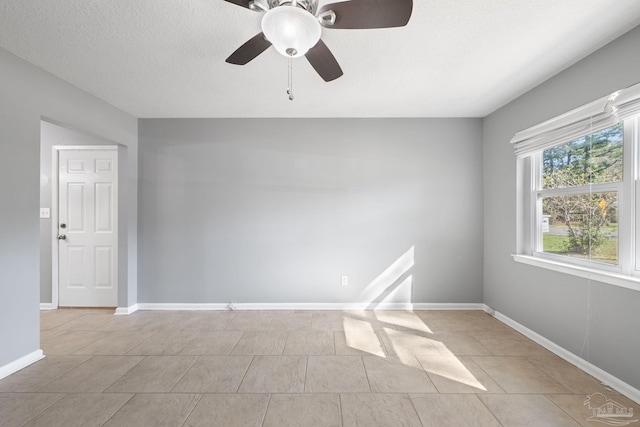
(275, 211)
(26, 94)
(553, 304)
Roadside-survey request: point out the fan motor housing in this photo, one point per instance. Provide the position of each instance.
(309, 5)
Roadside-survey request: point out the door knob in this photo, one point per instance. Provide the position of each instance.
(62, 237)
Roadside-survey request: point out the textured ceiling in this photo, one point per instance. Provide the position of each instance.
(165, 58)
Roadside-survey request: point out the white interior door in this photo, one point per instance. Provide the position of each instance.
(87, 228)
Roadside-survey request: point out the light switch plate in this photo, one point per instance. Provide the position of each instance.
(45, 213)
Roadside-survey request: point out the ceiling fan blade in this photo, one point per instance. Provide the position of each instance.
(248, 51)
(323, 61)
(362, 14)
(243, 3)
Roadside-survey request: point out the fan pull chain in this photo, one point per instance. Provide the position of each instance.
(290, 80)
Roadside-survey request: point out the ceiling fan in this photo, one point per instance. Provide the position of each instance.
(293, 27)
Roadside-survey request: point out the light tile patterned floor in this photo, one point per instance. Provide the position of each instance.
(294, 368)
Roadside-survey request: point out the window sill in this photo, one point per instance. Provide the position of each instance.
(624, 281)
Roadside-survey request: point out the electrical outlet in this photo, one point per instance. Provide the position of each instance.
(344, 280)
(45, 213)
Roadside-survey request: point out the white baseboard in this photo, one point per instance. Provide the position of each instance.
(21, 363)
(449, 306)
(304, 306)
(125, 311)
(614, 382)
(182, 306)
(46, 306)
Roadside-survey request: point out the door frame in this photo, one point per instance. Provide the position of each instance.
(55, 191)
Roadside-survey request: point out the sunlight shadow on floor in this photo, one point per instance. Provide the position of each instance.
(452, 368)
(360, 335)
(401, 333)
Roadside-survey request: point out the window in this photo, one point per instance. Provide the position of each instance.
(577, 193)
(578, 189)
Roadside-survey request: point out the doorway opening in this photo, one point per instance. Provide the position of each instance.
(83, 230)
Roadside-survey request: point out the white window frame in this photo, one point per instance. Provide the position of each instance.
(624, 205)
(623, 105)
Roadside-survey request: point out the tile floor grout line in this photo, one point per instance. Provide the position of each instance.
(197, 359)
(428, 376)
(562, 409)
(89, 343)
(144, 340)
(118, 410)
(413, 405)
(123, 374)
(489, 409)
(264, 416)
(236, 343)
(64, 373)
(44, 409)
(80, 349)
(70, 320)
(487, 374)
(186, 344)
(192, 409)
(245, 374)
(385, 350)
(306, 370)
(285, 341)
(366, 374)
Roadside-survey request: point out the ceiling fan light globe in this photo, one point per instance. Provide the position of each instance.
(291, 29)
